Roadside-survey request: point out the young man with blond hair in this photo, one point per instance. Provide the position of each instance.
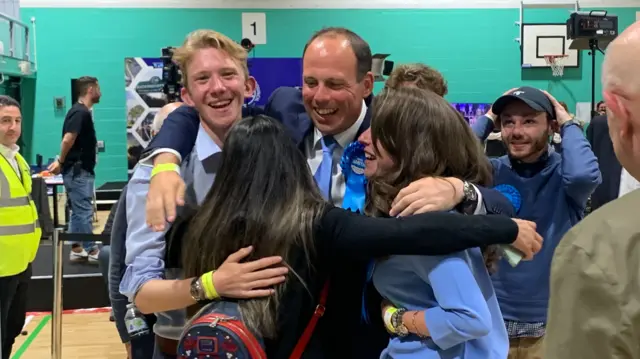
(216, 83)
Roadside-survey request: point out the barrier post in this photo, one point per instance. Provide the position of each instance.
(56, 313)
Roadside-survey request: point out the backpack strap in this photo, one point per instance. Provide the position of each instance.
(311, 326)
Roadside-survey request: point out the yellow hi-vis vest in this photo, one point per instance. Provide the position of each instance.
(19, 226)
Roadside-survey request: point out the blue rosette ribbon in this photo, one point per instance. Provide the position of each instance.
(512, 194)
(352, 165)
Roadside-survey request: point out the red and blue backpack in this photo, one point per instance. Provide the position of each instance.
(217, 332)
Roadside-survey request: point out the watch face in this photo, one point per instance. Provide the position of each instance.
(470, 192)
(195, 290)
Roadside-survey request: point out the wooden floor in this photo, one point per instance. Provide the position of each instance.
(84, 335)
(101, 216)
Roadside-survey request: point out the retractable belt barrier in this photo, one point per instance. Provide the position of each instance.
(59, 238)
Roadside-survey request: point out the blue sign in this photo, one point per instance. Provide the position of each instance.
(156, 63)
(271, 73)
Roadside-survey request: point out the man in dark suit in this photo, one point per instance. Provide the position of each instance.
(598, 137)
(327, 114)
(332, 104)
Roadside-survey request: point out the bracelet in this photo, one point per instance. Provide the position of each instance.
(413, 322)
(387, 319)
(207, 284)
(165, 167)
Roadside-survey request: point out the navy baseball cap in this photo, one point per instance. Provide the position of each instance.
(533, 97)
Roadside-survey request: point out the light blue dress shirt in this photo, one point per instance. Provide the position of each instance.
(146, 248)
(461, 309)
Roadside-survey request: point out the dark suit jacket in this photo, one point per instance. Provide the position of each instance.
(610, 168)
(348, 278)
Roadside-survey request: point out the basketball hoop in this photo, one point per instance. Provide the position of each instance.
(557, 63)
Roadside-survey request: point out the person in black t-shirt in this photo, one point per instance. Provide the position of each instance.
(77, 161)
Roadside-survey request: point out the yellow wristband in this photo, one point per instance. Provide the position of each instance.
(207, 285)
(387, 319)
(165, 167)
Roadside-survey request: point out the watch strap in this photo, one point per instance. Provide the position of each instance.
(572, 121)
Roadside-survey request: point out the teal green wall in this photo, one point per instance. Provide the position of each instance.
(475, 50)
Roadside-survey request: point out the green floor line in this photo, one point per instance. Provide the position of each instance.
(31, 337)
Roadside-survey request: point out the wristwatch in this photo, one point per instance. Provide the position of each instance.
(396, 322)
(197, 290)
(569, 122)
(469, 201)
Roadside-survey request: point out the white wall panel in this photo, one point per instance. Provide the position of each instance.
(310, 4)
(11, 8)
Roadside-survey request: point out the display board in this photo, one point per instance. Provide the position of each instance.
(271, 73)
(144, 97)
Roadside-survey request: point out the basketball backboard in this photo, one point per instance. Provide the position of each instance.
(539, 40)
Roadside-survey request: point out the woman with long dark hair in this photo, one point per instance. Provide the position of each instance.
(265, 197)
(455, 313)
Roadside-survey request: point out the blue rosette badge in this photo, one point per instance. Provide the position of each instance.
(512, 194)
(352, 165)
(512, 255)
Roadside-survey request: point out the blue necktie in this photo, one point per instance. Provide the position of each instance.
(325, 171)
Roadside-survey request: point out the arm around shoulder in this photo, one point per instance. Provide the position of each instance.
(145, 249)
(177, 134)
(434, 233)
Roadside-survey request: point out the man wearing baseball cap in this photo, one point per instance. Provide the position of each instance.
(553, 188)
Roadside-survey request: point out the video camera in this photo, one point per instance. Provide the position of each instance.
(592, 30)
(171, 76)
(597, 25)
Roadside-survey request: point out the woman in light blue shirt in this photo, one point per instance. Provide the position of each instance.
(449, 300)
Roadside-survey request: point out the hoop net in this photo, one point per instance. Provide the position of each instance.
(557, 63)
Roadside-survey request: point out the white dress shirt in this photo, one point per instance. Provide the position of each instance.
(627, 183)
(10, 154)
(313, 152)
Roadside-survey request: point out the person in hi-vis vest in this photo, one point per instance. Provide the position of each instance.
(19, 228)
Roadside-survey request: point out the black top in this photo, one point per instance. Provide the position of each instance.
(610, 168)
(80, 121)
(345, 243)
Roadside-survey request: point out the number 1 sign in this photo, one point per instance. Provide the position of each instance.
(254, 27)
